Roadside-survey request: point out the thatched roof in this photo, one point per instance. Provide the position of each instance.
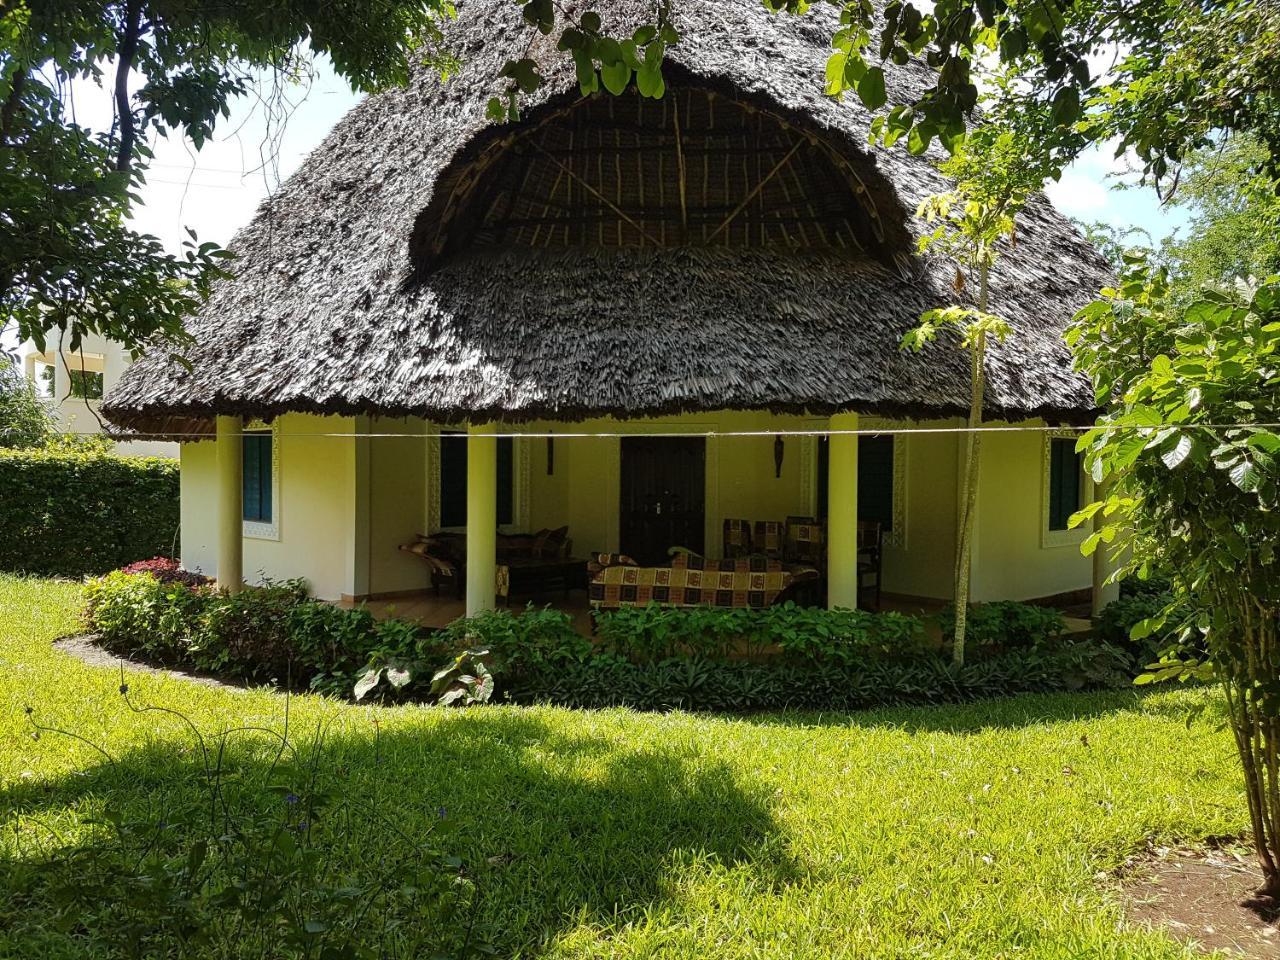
(610, 256)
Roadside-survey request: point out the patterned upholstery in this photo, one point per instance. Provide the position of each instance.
(737, 538)
(767, 538)
(805, 542)
(691, 581)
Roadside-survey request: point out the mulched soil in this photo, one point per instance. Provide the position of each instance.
(1203, 896)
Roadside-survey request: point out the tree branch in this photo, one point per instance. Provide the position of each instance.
(12, 102)
(128, 49)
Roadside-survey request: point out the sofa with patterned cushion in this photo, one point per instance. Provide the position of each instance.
(692, 581)
(445, 554)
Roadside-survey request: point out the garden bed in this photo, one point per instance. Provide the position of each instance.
(784, 657)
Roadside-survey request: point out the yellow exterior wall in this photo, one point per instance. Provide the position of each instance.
(397, 494)
(1012, 559)
(314, 507)
(925, 566)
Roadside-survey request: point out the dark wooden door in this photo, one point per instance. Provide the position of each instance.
(663, 496)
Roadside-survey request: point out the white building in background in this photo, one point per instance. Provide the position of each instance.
(74, 382)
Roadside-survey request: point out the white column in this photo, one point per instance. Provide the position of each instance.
(230, 503)
(482, 517)
(1103, 565)
(842, 514)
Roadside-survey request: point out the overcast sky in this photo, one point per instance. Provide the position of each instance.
(217, 190)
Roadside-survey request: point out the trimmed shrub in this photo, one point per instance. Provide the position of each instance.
(652, 658)
(71, 513)
(268, 634)
(167, 570)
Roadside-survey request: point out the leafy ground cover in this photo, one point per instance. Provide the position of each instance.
(967, 831)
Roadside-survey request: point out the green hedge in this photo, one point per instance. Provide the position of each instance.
(71, 513)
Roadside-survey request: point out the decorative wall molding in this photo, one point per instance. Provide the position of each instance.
(809, 466)
(433, 477)
(522, 470)
(252, 529)
(612, 492)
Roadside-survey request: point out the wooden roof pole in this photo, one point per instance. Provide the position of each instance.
(684, 203)
(758, 187)
(597, 194)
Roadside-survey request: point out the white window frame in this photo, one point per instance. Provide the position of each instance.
(1071, 536)
(253, 529)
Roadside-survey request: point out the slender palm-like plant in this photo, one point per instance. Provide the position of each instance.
(994, 178)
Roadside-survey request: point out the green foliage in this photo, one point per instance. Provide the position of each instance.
(24, 418)
(1005, 625)
(652, 633)
(1189, 449)
(1234, 211)
(69, 260)
(269, 634)
(649, 657)
(785, 657)
(698, 683)
(72, 511)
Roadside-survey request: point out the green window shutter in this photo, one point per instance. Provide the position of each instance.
(256, 474)
(875, 480)
(1064, 481)
(506, 479)
(453, 479)
(824, 464)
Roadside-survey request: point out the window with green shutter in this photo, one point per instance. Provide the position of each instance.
(1065, 485)
(453, 479)
(875, 479)
(257, 486)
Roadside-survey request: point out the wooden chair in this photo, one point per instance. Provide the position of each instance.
(870, 556)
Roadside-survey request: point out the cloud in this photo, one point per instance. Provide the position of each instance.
(1079, 194)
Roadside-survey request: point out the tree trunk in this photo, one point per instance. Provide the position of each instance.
(1250, 676)
(973, 449)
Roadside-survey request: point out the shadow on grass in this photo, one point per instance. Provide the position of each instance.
(555, 829)
(1005, 713)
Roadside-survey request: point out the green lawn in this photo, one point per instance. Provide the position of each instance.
(975, 831)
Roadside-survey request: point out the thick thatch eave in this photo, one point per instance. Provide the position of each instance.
(338, 309)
